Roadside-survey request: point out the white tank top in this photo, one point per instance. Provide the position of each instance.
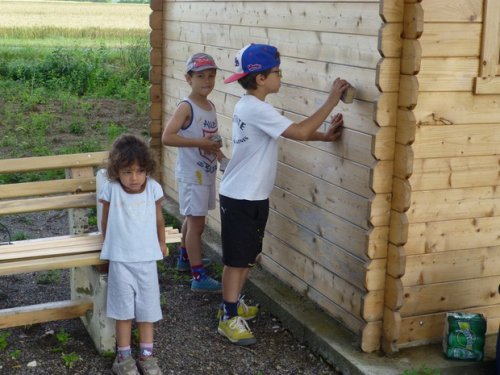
(194, 165)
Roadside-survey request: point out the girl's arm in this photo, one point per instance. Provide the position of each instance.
(104, 217)
(160, 228)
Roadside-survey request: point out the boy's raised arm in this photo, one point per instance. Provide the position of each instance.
(306, 129)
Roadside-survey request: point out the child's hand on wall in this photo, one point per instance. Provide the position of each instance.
(334, 131)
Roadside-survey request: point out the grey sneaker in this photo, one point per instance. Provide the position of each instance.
(125, 367)
(148, 366)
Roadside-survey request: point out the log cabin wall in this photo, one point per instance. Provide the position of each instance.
(328, 227)
(451, 244)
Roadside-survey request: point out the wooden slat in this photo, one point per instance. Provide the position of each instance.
(453, 11)
(46, 312)
(459, 108)
(456, 172)
(448, 74)
(329, 197)
(428, 328)
(44, 264)
(471, 233)
(450, 296)
(17, 206)
(450, 204)
(28, 189)
(451, 40)
(359, 18)
(338, 48)
(452, 266)
(489, 43)
(52, 162)
(488, 85)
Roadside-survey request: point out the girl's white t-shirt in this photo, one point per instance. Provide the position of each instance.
(251, 171)
(131, 234)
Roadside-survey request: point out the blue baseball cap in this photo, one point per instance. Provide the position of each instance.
(254, 58)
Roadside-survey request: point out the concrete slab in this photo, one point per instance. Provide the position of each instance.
(327, 337)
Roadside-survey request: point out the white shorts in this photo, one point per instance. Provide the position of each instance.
(196, 200)
(133, 291)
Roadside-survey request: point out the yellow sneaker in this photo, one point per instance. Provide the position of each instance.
(247, 312)
(237, 331)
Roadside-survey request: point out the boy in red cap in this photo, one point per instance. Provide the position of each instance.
(249, 177)
(193, 129)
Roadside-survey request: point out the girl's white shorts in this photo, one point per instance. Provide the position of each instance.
(196, 200)
(133, 291)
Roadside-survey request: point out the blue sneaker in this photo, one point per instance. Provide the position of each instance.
(184, 266)
(207, 285)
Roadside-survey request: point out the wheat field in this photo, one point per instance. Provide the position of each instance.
(73, 15)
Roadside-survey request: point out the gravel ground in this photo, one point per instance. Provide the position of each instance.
(186, 340)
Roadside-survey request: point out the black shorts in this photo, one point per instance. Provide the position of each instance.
(243, 224)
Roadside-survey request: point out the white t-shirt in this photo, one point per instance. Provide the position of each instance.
(131, 234)
(193, 164)
(251, 171)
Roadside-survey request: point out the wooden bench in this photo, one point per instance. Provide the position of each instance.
(78, 251)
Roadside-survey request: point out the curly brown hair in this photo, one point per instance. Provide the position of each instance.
(127, 150)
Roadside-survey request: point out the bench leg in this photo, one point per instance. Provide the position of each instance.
(87, 282)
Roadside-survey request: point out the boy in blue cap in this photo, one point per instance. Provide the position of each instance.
(249, 177)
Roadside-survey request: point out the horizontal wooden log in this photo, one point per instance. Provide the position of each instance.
(450, 74)
(389, 40)
(450, 296)
(29, 189)
(46, 312)
(39, 163)
(452, 266)
(411, 57)
(487, 85)
(451, 40)
(329, 197)
(466, 11)
(428, 328)
(346, 17)
(450, 204)
(370, 337)
(413, 21)
(455, 172)
(337, 48)
(17, 206)
(349, 320)
(459, 108)
(378, 239)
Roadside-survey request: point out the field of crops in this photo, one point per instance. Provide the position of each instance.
(75, 15)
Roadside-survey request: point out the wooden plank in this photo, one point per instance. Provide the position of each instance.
(451, 40)
(28, 189)
(44, 264)
(408, 91)
(389, 40)
(487, 85)
(52, 162)
(452, 266)
(392, 327)
(396, 261)
(377, 243)
(338, 290)
(453, 11)
(450, 204)
(416, 330)
(450, 296)
(380, 209)
(401, 195)
(458, 108)
(370, 337)
(329, 197)
(406, 127)
(391, 11)
(399, 228)
(17, 206)
(450, 235)
(413, 21)
(344, 317)
(411, 57)
(343, 173)
(354, 18)
(393, 293)
(381, 174)
(337, 48)
(385, 113)
(383, 143)
(489, 43)
(387, 78)
(328, 255)
(46, 312)
(448, 74)
(456, 172)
